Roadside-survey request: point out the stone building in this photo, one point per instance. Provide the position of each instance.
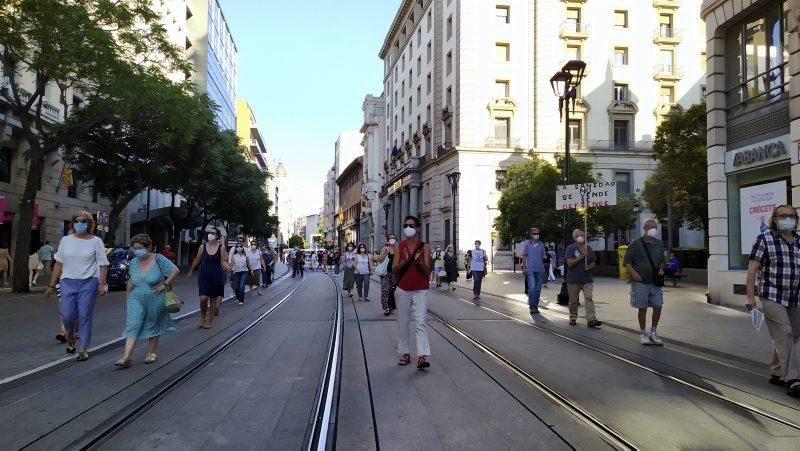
(372, 215)
(348, 209)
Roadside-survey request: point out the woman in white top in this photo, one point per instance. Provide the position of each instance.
(241, 269)
(81, 266)
(363, 265)
(349, 274)
(256, 263)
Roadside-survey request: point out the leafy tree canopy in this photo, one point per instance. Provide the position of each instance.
(297, 241)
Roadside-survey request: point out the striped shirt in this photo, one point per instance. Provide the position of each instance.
(779, 276)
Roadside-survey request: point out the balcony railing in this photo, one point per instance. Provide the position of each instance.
(667, 71)
(608, 145)
(502, 143)
(667, 3)
(761, 88)
(667, 35)
(572, 29)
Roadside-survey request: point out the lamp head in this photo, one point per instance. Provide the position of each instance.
(560, 82)
(576, 69)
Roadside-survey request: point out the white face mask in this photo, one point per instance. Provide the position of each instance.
(409, 231)
(393, 241)
(653, 233)
(212, 237)
(787, 223)
(579, 240)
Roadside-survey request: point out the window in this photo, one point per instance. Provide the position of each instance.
(665, 29)
(403, 88)
(419, 36)
(623, 180)
(430, 52)
(410, 49)
(395, 97)
(402, 114)
(501, 89)
(419, 64)
(449, 62)
(575, 136)
(395, 74)
(430, 20)
(410, 103)
(500, 180)
(703, 91)
(428, 83)
(620, 92)
(667, 95)
(501, 132)
(502, 52)
(449, 27)
(666, 59)
(620, 56)
(502, 13)
(419, 95)
(5, 165)
(446, 232)
(621, 19)
(574, 19)
(410, 76)
(703, 61)
(449, 98)
(428, 115)
(573, 52)
(620, 135)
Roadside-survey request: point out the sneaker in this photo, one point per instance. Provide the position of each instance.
(241, 303)
(645, 339)
(777, 380)
(573, 322)
(534, 311)
(594, 323)
(655, 340)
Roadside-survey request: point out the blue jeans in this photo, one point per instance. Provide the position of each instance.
(78, 298)
(239, 281)
(535, 280)
(477, 280)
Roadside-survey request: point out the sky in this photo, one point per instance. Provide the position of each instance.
(305, 67)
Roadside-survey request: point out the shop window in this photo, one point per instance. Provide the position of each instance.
(5, 165)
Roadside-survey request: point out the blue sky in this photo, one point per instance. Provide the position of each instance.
(305, 67)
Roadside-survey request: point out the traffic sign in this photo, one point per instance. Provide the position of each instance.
(597, 194)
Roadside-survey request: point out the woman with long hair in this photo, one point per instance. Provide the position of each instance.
(150, 275)
(388, 251)
(363, 269)
(451, 267)
(241, 269)
(80, 268)
(211, 282)
(348, 263)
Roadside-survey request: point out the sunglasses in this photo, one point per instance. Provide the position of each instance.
(80, 220)
(409, 226)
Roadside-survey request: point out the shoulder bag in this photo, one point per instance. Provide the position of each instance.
(392, 303)
(171, 300)
(382, 268)
(658, 280)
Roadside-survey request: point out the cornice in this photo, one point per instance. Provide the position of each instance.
(709, 6)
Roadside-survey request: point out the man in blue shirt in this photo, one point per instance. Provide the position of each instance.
(533, 267)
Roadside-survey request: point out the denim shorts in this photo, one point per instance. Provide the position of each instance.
(645, 295)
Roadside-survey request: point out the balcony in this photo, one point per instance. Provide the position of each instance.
(417, 138)
(502, 143)
(443, 149)
(667, 4)
(447, 114)
(426, 129)
(574, 30)
(667, 72)
(608, 145)
(667, 36)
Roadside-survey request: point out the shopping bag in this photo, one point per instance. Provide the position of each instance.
(758, 318)
(172, 302)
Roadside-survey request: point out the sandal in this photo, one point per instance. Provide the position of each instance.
(151, 358)
(405, 359)
(423, 363)
(123, 363)
(61, 338)
(83, 356)
(70, 348)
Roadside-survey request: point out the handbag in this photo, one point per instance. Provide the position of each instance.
(382, 268)
(171, 300)
(392, 302)
(658, 280)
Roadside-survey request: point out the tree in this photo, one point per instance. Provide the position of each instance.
(682, 173)
(67, 44)
(297, 241)
(530, 200)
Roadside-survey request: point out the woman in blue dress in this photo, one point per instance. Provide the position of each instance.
(211, 282)
(147, 318)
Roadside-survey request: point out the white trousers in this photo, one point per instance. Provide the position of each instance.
(415, 302)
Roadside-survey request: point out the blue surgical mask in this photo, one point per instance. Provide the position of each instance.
(140, 253)
(80, 227)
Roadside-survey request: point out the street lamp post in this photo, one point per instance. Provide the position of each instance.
(386, 208)
(565, 83)
(453, 178)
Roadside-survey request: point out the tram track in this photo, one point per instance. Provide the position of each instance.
(118, 419)
(484, 347)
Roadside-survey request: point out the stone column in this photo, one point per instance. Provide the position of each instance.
(405, 203)
(414, 200)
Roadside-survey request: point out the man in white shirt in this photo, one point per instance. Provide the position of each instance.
(477, 265)
(256, 263)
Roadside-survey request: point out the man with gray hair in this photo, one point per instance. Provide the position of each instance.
(645, 262)
(580, 260)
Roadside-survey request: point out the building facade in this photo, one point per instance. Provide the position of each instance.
(753, 63)
(372, 215)
(283, 205)
(329, 207)
(251, 138)
(348, 209)
(466, 86)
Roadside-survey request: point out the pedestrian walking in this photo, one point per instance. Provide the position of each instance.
(46, 256)
(411, 270)
(477, 266)
(325, 261)
(256, 265)
(363, 270)
(348, 263)
(80, 272)
(5, 264)
(581, 261)
(553, 264)
(775, 266)
(451, 267)
(213, 260)
(438, 266)
(467, 258)
(150, 276)
(241, 270)
(533, 252)
(312, 257)
(269, 257)
(231, 251)
(337, 261)
(645, 262)
(389, 250)
(300, 262)
(34, 266)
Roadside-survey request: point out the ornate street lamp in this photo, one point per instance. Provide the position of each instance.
(565, 83)
(453, 178)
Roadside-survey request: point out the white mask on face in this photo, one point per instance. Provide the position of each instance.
(410, 231)
(653, 233)
(579, 240)
(787, 224)
(212, 237)
(392, 241)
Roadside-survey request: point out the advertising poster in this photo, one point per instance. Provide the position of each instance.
(757, 203)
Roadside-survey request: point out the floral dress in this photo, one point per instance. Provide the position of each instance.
(147, 316)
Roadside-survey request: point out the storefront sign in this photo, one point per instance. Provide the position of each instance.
(759, 154)
(600, 194)
(756, 204)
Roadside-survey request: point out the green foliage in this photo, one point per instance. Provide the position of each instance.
(682, 173)
(297, 241)
(530, 200)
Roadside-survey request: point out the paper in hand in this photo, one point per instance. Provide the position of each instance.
(758, 318)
